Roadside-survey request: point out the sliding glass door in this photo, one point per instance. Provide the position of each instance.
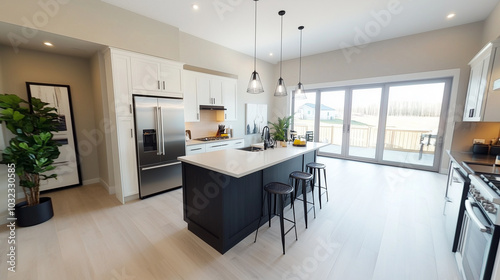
(392, 123)
(414, 127)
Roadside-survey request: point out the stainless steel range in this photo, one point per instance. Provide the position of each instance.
(477, 251)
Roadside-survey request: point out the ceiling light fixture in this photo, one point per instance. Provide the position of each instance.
(300, 92)
(48, 44)
(452, 15)
(281, 87)
(255, 85)
(195, 7)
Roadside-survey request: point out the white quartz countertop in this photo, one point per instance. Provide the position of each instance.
(239, 163)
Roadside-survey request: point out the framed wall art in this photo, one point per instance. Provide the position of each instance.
(256, 118)
(68, 164)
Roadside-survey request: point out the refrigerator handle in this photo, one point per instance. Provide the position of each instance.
(158, 149)
(162, 134)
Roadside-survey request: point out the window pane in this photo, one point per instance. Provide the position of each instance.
(412, 123)
(332, 120)
(365, 112)
(303, 117)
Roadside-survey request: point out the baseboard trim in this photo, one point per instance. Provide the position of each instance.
(108, 188)
(131, 197)
(91, 181)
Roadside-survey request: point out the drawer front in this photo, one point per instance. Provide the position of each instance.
(195, 149)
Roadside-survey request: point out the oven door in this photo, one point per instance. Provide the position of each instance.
(475, 241)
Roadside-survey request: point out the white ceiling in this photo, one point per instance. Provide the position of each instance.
(329, 24)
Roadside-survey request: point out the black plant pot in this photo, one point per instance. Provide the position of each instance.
(33, 215)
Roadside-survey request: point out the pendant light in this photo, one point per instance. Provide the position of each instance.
(281, 87)
(300, 92)
(255, 85)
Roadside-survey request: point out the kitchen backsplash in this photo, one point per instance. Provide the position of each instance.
(207, 126)
(465, 133)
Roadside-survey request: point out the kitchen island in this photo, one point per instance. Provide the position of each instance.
(223, 190)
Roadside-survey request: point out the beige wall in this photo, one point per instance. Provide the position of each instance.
(492, 26)
(33, 66)
(201, 53)
(98, 22)
(100, 122)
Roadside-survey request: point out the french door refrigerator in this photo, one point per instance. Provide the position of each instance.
(159, 124)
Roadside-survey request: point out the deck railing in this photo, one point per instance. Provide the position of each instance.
(366, 136)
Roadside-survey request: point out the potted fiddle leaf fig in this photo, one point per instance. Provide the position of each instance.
(31, 152)
(280, 128)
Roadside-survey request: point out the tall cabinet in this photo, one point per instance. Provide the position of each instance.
(129, 73)
(483, 100)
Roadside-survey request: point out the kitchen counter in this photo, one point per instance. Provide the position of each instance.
(460, 157)
(223, 190)
(238, 163)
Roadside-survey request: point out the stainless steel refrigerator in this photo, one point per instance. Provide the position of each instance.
(159, 124)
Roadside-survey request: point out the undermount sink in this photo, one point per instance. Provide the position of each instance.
(250, 149)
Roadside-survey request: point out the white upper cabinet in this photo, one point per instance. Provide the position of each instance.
(121, 84)
(156, 76)
(482, 101)
(191, 106)
(207, 89)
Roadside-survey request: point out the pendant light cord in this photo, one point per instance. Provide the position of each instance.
(300, 56)
(255, 41)
(281, 50)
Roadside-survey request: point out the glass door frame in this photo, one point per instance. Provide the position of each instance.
(382, 120)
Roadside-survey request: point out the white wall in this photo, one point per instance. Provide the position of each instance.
(492, 26)
(97, 22)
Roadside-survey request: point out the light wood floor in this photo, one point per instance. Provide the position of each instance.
(380, 223)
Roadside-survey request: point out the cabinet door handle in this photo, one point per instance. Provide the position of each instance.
(159, 85)
(130, 107)
(163, 85)
(131, 133)
(471, 113)
(196, 149)
(198, 116)
(225, 116)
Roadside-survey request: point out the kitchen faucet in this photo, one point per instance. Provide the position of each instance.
(266, 135)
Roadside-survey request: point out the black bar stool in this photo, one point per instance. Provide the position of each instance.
(281, 190)
(315, 169)
(297, 178)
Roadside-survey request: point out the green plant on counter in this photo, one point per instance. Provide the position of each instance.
(32, 149)
(279, 128)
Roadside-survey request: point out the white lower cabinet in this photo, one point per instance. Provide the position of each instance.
(215, 146)
(195, 149)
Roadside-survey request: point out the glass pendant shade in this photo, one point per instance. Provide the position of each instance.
(300, 93)
(255, 85)
(280, 88)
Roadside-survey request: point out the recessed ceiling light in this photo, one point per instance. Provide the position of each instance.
(48, 44)
(196, 7)
(271, 54)
(452, 15)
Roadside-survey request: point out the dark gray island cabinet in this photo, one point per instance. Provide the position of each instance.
(223, 190)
